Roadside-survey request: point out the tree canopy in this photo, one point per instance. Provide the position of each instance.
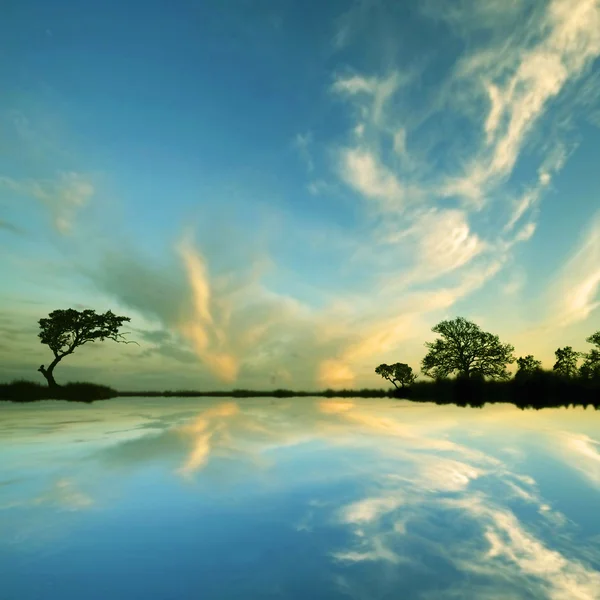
(65, 330)
(528, 365)
(397, 373)
(566, 361)
(591, 360)
(466, 350)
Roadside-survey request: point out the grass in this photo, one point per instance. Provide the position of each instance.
(543, 389)
(31, 391)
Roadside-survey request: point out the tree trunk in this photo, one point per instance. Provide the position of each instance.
(48, 373)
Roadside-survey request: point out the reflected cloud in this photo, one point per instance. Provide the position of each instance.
(64, 494)
(583, 454)
(507, 538)
(383, 489)
(369, 509)
(335, 406)
(202, 430)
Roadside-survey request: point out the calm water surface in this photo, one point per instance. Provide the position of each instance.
(302, 498)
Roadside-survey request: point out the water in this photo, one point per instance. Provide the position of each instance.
(301, 498)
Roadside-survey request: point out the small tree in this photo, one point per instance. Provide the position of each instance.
(566, 361)
(397, 373)
(528, 365)
(590, 369)
(65, 330)
(466, 350)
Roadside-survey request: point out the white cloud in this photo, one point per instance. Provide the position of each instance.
(62, 196)
(377, 91)
(574, 295)
(446, 242)
(377, 550)
(369, 509)
(567, 41)
(207, 337)
(355, 84)
(362, 170)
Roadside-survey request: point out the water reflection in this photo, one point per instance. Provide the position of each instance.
(297, 498)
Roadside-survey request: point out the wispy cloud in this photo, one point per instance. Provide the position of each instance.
(206, 426)
(63, 494)
(363, 171)
(302, 143)
(509, 540)
(583, 453)
(207, 336)
(575, 292)
(369, 509)
(62, 197)
(520, 80)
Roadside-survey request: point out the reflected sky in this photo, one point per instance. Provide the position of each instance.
(301, 498)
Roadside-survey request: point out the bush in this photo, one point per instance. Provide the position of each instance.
(30, 391)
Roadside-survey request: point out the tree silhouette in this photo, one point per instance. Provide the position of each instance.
(65, 330)
(590, 369)
(527, 365)
(397, 373)
(566, 361)
(465, 349)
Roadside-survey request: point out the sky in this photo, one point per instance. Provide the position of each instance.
(287, 194)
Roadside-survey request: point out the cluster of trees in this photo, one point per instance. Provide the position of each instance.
(466, 351)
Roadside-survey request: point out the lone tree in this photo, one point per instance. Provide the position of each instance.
(65, 330)
(566, 361)
(528, 365)
(466, 350)
(591, 360)
(397, 373)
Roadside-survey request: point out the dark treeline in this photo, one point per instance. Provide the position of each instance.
(545, 389)
(466, 367)
(30, 391)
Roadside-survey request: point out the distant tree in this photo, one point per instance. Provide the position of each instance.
(566, 361)
(397, 373)
(466, 350)
(527, 365)
(590, 369)
(65, 330)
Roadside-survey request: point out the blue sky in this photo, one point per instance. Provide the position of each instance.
(287, 193)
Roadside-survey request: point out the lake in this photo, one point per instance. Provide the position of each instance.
(306, 498)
